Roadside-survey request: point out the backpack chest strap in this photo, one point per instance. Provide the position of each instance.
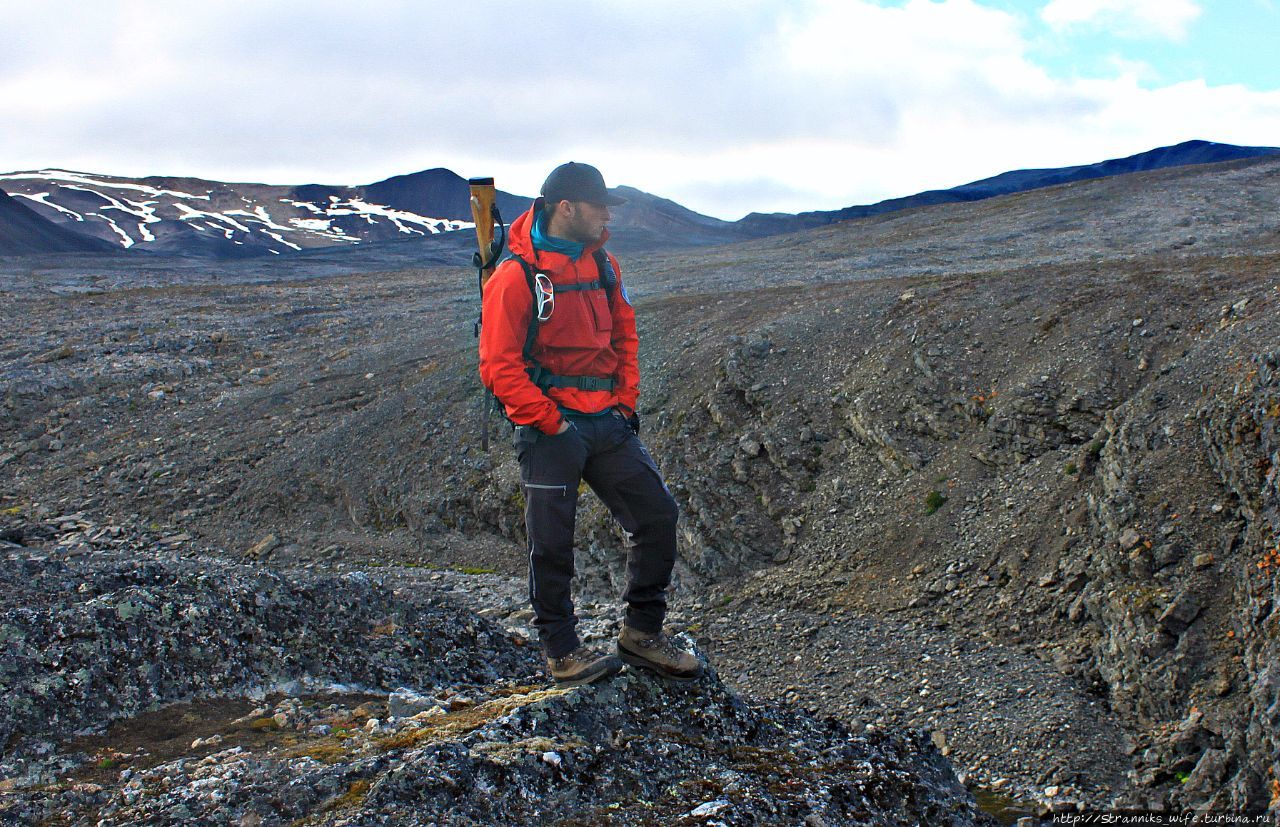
(586, 285)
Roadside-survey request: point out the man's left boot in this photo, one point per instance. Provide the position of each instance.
(657, 653)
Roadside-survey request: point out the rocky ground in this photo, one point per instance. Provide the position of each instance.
(1005, 471)
(244, 695)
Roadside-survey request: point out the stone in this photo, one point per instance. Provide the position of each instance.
(709, 809)
(406, 703)
(263, 547)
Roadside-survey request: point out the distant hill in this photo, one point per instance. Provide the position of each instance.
(23, 232)
(212, 219)
(649, 222)
(1184, 154)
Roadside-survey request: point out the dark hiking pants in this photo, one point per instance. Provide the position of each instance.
(604, 452)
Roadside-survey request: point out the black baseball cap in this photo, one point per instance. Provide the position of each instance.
(578, 182)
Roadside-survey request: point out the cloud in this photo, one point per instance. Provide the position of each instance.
(1167, 19)
(729, 108)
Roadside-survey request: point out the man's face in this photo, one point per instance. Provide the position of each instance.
(586, 221)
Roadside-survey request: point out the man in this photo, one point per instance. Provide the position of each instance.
(558, 348)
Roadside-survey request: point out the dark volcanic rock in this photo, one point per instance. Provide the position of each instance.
(89, 640)
(638, 751)
(461, 744)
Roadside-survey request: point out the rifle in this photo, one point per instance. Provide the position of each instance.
(484, 212)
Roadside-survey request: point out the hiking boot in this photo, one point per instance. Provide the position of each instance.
(583, 665)
(658, 653)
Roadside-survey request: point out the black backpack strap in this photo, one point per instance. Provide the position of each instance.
(532, 333)
(608, 277)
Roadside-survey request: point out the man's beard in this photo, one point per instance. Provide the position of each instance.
(586, 233)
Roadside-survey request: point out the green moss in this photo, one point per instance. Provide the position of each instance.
(1071, 469)
(325, 752)
(475, 570)
(933, 501)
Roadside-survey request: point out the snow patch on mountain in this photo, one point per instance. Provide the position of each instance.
(43, 198)
(207, 217)
(356, 206)
(188, 213)
(126, 240)
(61, 176)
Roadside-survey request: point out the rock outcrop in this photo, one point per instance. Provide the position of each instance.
(447, 730)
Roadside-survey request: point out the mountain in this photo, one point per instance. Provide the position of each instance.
(437, 192)
(196, 217)
(23, 232)
(1183, 154)
(211, 219)
(649, 222)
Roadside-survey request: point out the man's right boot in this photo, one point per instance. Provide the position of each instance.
(657, 653)
(582, 666)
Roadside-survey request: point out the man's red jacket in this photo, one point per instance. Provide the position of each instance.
(588, 334)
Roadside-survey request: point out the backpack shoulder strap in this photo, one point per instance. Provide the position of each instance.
(608, 278)
(532, 334)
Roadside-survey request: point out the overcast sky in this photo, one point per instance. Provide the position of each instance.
(726, 107)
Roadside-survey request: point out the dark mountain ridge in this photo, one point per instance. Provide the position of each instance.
(1188, 153)
(438, 192)
(210, 219)
(23, 232)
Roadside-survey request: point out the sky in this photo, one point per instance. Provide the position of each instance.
(726, 107)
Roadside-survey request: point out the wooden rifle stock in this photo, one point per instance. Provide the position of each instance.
(483, 198)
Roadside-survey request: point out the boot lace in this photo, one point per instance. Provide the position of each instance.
(663, 645)
(582, 654)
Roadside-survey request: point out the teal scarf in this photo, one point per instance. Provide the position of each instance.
(549, 243)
